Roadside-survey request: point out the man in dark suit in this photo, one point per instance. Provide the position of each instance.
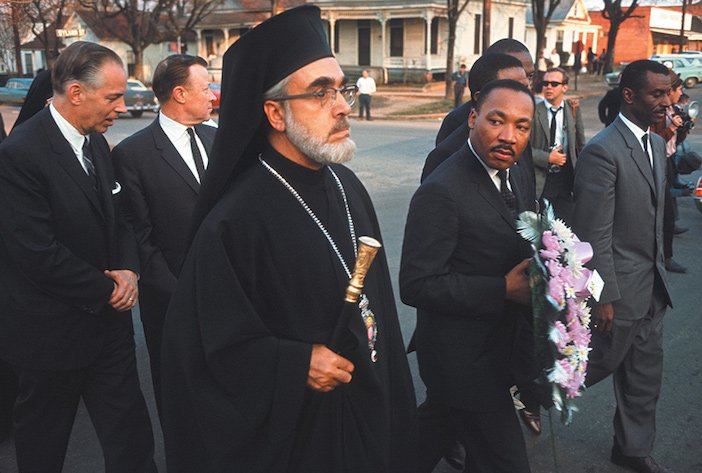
(557, 137)
(464, 269)
(160, 168)
(619, 200)
(68, 273)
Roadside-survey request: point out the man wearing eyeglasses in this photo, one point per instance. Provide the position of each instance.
(249, 381)
(557, 137)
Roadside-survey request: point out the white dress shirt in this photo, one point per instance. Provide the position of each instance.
(177, 133)
(72, 135)
(561, 136)
(492, 173)
(366, 85)
(638, 133)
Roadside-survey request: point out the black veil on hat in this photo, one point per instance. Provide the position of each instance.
(256, 62)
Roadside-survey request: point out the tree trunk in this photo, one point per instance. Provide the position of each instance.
(138, 62)
(611, 40)
(16, 37)
(449, 58)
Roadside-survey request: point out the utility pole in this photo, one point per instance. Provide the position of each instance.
(682, 28)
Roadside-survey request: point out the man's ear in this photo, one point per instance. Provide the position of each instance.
(178, 94)
(275, 111)
(628, 95)
(74, 92)
(471, 119)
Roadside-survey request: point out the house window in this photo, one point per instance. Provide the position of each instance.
(476, 40)
(510, 32)
(397, 33)
(435, 36)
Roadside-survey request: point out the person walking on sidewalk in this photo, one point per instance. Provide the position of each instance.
(366, 88)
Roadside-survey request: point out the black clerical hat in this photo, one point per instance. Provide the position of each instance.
(253, 64)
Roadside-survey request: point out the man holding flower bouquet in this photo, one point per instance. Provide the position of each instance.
(619, 199)
(464, 269)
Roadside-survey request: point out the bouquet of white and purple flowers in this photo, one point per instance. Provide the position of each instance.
(561, 286)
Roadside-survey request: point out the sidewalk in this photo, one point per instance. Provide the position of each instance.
(389, 101)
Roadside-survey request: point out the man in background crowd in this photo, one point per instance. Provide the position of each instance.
(557, 137)
(366, 89)
(459, 78)
(160, 169)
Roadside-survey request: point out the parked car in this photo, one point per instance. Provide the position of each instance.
(692, 54)
(216, 89)
(15, 91)
(139, 98)
(688, 67)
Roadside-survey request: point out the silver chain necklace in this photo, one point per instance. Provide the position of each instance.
(366, 313)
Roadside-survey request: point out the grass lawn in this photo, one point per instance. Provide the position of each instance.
(442, 106)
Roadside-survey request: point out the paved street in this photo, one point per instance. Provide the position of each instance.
(389, 160)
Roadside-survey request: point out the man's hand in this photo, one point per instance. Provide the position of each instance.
(676, 122)
(518, 287)
(126, 291)
(602, 317)
(327, 369)
(557, 156)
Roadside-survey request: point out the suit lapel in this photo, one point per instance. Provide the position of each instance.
(542, 116)
(172, 157)
(486, 187)
(206, 138)
(637, 153)
(68, 160)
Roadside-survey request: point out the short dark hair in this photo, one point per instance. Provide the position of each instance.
(564, 74)
(501, 84)
(172, 72)
(634, 74)
(675, 80)
(486, 68)
(81, 62)
(506, 46)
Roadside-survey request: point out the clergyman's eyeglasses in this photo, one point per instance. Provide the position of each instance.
(327, 96)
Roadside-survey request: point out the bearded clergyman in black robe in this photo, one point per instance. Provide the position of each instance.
(249, 384)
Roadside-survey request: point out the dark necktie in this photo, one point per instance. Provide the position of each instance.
(644, 140)
(552, 135)
(507, 194)
(87, 161)
(199, 165)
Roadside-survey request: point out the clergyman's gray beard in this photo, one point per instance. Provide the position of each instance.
(314, 147)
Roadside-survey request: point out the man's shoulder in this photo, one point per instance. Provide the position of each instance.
(30, 135)
(453, 169)
(137, 141)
